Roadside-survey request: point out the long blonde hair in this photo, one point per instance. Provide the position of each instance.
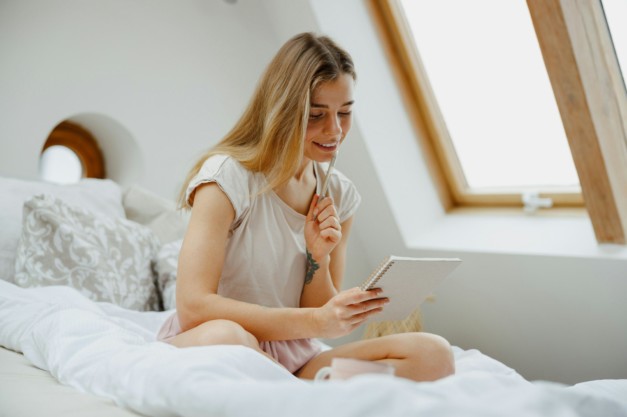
(269, 136)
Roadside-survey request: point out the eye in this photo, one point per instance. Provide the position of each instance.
(314, 116)
(345, 113)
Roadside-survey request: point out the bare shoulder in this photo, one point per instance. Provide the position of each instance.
(211, 203)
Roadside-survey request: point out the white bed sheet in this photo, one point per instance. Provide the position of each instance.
(111, 352)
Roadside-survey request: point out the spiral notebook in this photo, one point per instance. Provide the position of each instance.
(407, 282)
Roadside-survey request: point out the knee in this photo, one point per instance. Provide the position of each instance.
(226, 332)
(433, 353)
(440, 355)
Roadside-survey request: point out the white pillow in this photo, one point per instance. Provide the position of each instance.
(100, 196)
(147, 208)
(105, 258)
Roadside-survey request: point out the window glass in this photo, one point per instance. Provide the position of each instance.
(616, 16)
(61, 165)
(485, 67)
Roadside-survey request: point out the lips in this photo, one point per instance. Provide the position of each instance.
(327, 146)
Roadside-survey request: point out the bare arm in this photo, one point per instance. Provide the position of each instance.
(338, 256)
(339, 312)
(326, 282)
(200, 266)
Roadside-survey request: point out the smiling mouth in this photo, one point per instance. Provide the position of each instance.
(327, 146)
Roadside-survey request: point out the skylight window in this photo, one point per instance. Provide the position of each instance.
(487, 75)
(508, 97)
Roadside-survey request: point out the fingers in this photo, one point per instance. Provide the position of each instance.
(358, 319)
(350, 308)
(331, 222)
(311, 214)
(356, 295)
(357, 303)
(324, 209)
(364, 310)
(367, 306)
(331, 235)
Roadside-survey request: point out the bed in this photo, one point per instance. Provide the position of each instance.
(73, 348)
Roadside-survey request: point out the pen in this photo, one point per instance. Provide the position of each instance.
(325, 184)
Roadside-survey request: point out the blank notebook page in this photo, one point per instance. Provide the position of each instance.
(407, 282)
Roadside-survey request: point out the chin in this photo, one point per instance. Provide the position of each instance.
(323, 158)
(319, 157)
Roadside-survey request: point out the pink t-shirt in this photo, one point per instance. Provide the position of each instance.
(265, 257)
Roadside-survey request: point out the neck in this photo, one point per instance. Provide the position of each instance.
(299, 189)
(305, 167)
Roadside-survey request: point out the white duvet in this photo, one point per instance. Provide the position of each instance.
(111, 352)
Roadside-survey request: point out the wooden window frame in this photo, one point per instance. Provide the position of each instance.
(586, 79)
(82, 143)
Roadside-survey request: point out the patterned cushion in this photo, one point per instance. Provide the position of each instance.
(166, 266)
(105, 258)
(100, 196)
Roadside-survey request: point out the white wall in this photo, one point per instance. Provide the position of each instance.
(535, 293)
(176, 75)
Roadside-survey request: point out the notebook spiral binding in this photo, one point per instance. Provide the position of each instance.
(377, 274)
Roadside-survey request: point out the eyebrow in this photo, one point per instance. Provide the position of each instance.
(324, 106)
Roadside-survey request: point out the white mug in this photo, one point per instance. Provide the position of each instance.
(344, 368)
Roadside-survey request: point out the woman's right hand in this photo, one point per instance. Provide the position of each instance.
(323, 230)
(346, 311)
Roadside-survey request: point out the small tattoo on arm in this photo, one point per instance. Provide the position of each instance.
(312, 267)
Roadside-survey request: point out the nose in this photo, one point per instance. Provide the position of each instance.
(333, 127)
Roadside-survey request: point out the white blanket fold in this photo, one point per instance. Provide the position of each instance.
(111, 352)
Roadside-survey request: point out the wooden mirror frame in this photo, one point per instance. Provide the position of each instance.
(82, 143)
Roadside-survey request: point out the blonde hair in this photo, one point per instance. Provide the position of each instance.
(269, 136)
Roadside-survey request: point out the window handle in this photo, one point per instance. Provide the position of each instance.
(532, 201)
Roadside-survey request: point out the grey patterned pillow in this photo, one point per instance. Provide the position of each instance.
(166, 266)
(106, 259)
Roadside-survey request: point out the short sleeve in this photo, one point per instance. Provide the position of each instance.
(232, 178)
(344, 194)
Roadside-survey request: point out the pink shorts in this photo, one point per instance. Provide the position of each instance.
(292, 354)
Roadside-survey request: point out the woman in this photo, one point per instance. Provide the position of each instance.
(263, 258)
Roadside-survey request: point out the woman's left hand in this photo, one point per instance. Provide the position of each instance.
(322, 228)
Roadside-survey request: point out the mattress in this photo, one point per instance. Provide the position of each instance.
(26, 391)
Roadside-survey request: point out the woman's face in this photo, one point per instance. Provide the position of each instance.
(330, 118)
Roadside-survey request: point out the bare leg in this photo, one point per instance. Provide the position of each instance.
(218, 332)
(416, 356)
